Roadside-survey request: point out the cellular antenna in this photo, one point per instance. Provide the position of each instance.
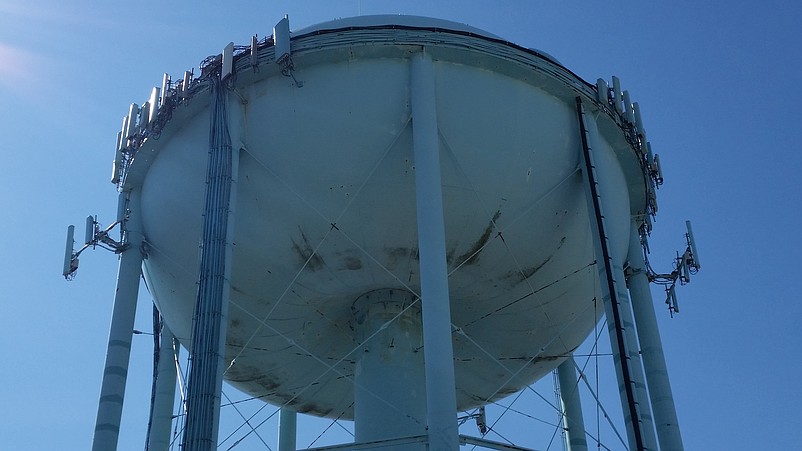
(93, 237)
(90, 229)
(692, 246)
(686, 264)
(70, 259)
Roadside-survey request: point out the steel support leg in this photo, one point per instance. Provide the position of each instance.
(573, 421)
(637, 414)
(164, 400)
(654, 362)
(441, 403)
(115, 373)
(287, 430)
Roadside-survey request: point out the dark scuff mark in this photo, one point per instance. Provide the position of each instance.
(352, 263)
(397, 254)
(525, 273)
(529, 272)
(313, 408)
(254, 377)
(472, 255)
(267, 383)
(547, 358)
(477, 399)
(506, 391)
(307, 253)
(533, 360)
(450, 256)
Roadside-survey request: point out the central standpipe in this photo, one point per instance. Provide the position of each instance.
(441, 398)
(211, 310)
(389, 381)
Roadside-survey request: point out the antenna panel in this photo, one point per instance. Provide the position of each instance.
(68, 262)
(228, 61)
(90, 230)
(692, 244)
(603, 91)
(617, 94)
(281, 40)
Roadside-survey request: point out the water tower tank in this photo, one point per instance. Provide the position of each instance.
(325, 219)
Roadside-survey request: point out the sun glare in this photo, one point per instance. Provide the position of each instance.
(14, 63)
(21, 71)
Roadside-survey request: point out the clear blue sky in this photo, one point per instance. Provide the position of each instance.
(718, 83)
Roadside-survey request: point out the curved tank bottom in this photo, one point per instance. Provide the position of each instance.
(325, 212)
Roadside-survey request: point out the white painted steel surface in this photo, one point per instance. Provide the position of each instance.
(326, 209)
(573, 420)
(441, 403)
(115, 369)
(390, 394)
(606, 229)
(654, 361)
(287, 430)
(160, 432)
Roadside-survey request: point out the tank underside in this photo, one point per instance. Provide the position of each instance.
(325, 213)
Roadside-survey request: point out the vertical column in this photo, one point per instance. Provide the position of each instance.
(389, 380)
(572, 408)
(654, 362)
(115, 373)
(164, 400)
(287, 430)
(441, 403)
(211, 309)
(634, 401)
(636, 364)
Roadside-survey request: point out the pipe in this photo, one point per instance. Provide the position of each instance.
(441, 400)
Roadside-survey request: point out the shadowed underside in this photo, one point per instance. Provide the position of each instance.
(325, 213)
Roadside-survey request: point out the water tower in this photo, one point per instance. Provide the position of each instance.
(389, 219)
